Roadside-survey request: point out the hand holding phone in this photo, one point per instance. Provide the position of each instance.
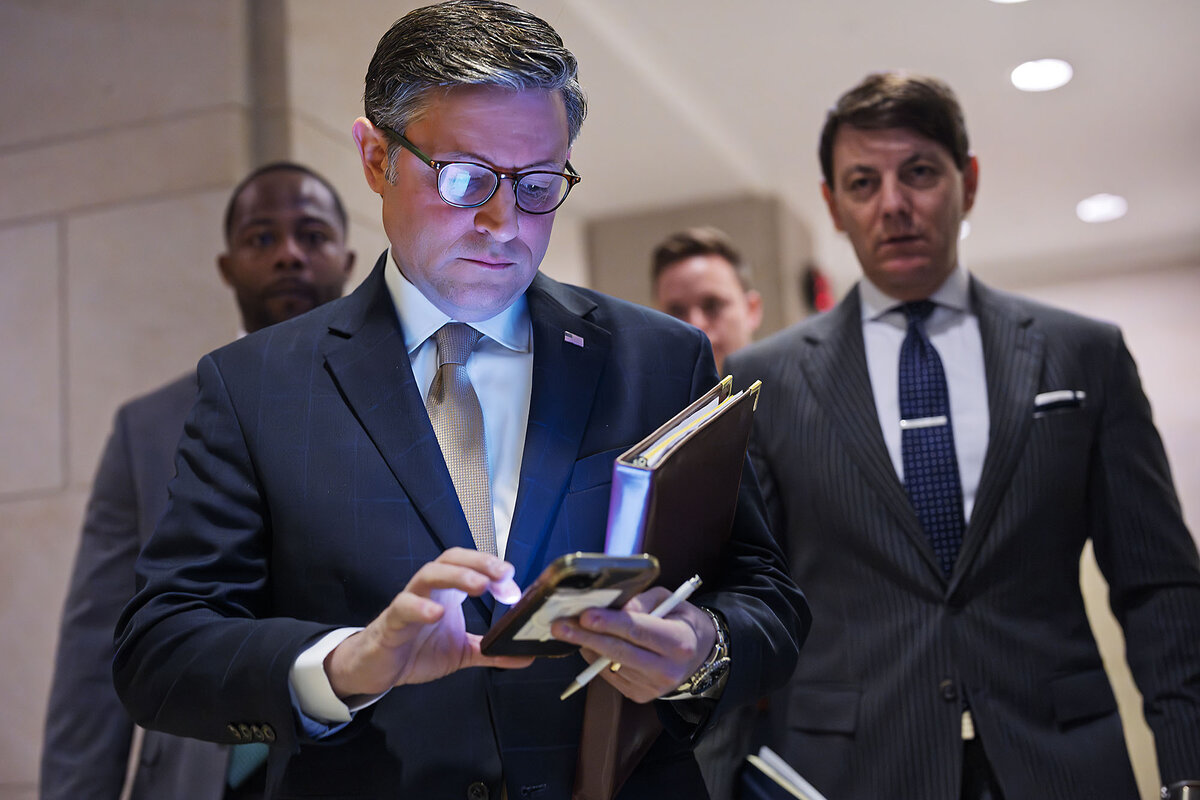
(573, 583)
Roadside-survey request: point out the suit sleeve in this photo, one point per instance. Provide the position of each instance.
(202, 618)
(88, 733)
(1149, 559)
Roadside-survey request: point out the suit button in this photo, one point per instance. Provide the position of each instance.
(948, 690)
(257, 733)
(477, 791)
(244, 733)
(268, 734)
(233, 731)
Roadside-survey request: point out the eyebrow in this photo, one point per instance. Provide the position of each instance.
(459, 155)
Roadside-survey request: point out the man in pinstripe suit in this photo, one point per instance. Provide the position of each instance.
(977, 676)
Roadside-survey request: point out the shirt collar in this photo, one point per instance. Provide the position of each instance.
(421, 318)
(954, 293)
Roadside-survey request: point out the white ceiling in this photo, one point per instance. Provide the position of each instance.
(697, 99)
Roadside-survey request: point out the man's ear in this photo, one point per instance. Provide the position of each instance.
(755, 308)
(970, 183)
(373, 151)
(827, 193)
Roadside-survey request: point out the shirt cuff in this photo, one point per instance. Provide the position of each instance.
(311, 688)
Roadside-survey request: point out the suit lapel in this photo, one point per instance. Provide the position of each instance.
(366, 356)
(569, 354)
(1013, 351)
(837, 375)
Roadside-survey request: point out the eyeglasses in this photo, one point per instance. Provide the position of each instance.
(465, 184)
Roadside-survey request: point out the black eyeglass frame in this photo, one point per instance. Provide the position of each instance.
(571, 176)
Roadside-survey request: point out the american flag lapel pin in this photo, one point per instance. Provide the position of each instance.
(573, 338)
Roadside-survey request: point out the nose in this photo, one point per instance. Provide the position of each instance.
(290, 254)
(893, 198)
(498, 217)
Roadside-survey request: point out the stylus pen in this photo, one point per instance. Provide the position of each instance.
(661, 610)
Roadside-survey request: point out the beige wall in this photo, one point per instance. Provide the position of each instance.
(125, 124)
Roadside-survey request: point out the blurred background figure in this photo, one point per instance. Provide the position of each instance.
(285, 234)
(700, 278)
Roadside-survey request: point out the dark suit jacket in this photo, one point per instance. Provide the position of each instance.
(311, 487)
(87, 739)
(873, 710)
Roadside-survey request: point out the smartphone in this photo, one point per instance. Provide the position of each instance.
(573, 583)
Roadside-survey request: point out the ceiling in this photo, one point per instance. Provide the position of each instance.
(699, 99)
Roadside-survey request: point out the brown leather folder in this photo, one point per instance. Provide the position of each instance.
(674, 495)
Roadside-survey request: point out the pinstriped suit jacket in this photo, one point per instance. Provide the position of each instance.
(310, 489)
(873, 709)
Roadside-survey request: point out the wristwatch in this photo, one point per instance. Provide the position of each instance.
(709, 678)
(1182, 790)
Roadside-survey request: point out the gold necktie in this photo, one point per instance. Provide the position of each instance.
(458, 423)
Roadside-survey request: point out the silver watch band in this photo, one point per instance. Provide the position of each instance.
(709, 678)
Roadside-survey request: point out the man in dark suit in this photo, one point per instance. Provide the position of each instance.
(939, 542)
(330, 555)
(285, 235)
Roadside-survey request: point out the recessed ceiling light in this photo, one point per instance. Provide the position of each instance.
(1006, 2)
(1101, 208)
(1042, 75)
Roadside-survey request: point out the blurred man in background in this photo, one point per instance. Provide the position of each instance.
(285, 236)
(700, 278)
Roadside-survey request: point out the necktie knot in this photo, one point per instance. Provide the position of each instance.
(455, 341)
(918, 311)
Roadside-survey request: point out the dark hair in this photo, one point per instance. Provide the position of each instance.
(702, 241)
(281, 166)
(898, 100)
(467, 42)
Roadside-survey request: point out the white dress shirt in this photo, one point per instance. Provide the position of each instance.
(953, 329)
(501, 371)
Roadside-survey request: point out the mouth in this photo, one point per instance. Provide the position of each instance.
(489, 263)
(289, 288)
(900, 241)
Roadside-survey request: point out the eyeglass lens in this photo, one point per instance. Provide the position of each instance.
(467, 185)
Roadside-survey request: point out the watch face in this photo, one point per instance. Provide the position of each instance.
(710, 676)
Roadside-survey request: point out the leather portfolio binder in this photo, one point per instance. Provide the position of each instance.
(674, 495)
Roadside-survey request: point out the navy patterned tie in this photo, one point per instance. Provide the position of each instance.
(927, 439)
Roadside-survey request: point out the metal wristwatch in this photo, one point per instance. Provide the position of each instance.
(1182, 790)
(710, 675)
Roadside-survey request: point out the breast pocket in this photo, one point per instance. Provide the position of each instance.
(585, 507)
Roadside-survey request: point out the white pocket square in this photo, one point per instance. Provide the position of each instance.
(1062, 398)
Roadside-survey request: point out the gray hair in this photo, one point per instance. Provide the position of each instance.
(467, 42)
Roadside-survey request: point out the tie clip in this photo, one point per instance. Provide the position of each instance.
(923, 422)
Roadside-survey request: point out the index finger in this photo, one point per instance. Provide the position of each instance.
(497, 571)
